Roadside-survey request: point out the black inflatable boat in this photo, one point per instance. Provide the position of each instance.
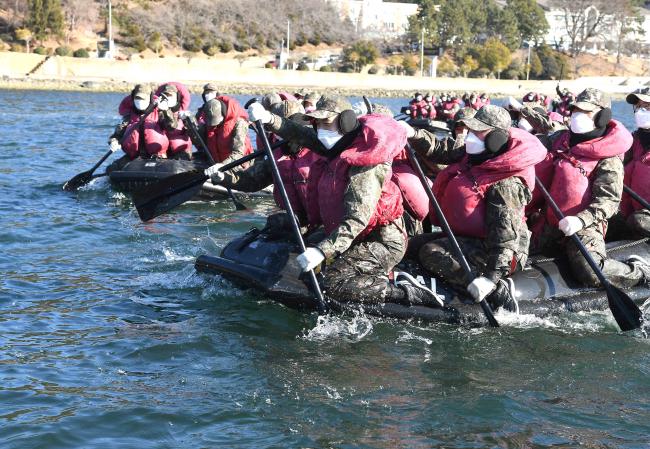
(131, 175)
(543, 288)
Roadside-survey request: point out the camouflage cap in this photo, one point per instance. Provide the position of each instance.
(269, 100)
(213, 112)
(210, 87)
(642, 94)
(329, 107)
(465, 113)
(590, 99)
(488, 117)
(287, 108)
(141, 91)
(169, 89)
(311, 97)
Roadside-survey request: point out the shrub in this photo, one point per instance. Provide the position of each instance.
(243, 46)
(62, 51)
(315, 39)
(40, 51)
(17, 48)
(326, 68)
(225, 46)
(81, 53)
(211, 50)
(269, 65)
(302, 66)
(373, 70)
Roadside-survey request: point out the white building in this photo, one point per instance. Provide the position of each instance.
(376, 18)
(606, 33)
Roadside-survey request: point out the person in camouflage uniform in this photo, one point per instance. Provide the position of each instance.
(357, 264)
(593, 138)
(260, 175)
(504, 247)
(214, 117)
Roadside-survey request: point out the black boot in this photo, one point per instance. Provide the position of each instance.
(417, 294)
(502, 297)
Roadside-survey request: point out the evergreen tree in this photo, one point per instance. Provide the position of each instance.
(502, 24)
(530, 17)
(45, 18)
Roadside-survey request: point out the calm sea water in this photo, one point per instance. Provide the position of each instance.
(108, 339)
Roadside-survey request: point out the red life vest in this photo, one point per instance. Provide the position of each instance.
(300, 174)
(571, 185)
(179, 141)
(379, 141)
(637, 177)
(461, 188)
(156, 142)
(220, 138)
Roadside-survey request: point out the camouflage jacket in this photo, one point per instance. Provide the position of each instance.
(508, 237)
(361, 196)
(606, 192)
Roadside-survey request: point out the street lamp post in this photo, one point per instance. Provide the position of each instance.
(422, 52)
(528, 63)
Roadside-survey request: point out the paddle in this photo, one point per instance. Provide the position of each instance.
(84, 178)
(200, 143)
(625, 311)
(636, 197)
(487, 310)
(161, 197)
(318, 294)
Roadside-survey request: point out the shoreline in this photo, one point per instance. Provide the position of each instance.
(35, 72)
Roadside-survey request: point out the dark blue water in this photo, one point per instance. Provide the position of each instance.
(108, 339)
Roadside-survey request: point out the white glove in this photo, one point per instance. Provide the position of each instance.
(480, 287)
(184, 114)
(215, 175)
(257, 112)
(113, 144)
(310, 259)
(570, 225)
(410, 132)
(513, 104)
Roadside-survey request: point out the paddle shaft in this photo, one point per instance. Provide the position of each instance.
(487, 310)
(637, 197)
(321, 304)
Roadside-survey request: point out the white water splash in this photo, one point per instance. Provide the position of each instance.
(185, 278)
(336, 327)
(171, 256)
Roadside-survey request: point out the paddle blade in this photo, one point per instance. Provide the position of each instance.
(626, 313)
(78, 181)
(163, 196)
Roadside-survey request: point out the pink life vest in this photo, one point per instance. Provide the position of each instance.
(571, 185)
(415, 199)
(220, 138)
(179, 140)
(461, 188)
(300, 174)
(155, 140)
(637, 177)
(379, 141)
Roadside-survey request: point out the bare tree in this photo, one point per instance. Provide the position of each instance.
(584, 19)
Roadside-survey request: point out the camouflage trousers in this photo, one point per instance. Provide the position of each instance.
(635, 226)
(360, 274)
(553, 243)
(437, 257)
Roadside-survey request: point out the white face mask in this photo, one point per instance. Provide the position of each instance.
(167, 102)
(328, 138)
(642, 118)
(473, 145)
(141, 104)
(418, 98)
(525, 125)
(581, 123)
(210, 96)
